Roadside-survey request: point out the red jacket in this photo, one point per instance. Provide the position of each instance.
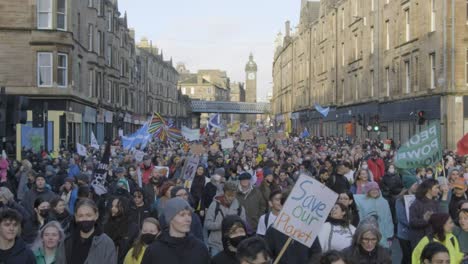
(146, 173)
(377, 167)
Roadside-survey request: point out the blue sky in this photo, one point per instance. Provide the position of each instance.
(214, 34)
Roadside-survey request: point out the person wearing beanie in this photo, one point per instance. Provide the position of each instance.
(176, 245)
(410, 184)
(442, 228)
(250, 197)
(234, 232)
(372, 204)
(196, 228)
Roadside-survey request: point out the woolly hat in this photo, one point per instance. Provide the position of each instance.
(371, 186)
(220, 172)
(245, 176)
(173, 207)
(409, 180)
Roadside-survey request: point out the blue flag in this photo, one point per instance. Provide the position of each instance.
(140, 137)
(321, 110)
(305, 133)
(214, 121)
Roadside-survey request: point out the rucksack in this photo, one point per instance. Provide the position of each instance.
(218, 210)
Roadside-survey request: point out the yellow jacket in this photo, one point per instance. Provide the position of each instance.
(451, 243)
(129, 259)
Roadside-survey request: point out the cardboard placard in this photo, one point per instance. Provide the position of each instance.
(163, 171)
(190, 168)
(409, 199)
(305, 210)
(227, 143)
(240, 147)
(247, 135)
(139, 155)
(197, 149)
(262, 140)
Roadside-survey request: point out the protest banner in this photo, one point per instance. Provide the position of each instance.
(100, 174)
(190, 134)
(247, 135)
(139, 155)
(197, 149)
(190, 168)
(421, 150)
(305, 210)
(94, 142)
(409, 199)
(227, 143)
(241, 146)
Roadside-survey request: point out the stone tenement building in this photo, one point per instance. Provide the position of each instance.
(237, 95)
(80, 58)
(375, 61)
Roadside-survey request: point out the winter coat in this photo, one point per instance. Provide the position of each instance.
(403, 227)
(227, 256)
(138, 214)
(419, 226)
(376, 207)
(19, 253)
(102, 250)
(208, 195)
(254, 204)
(196, 228)
(296, 252)
(357, 255)
(224, 258)
(462, 237)
(339, 183)
(266, 190)
(391, 185)
(167, 249)
(451, 243)
(197, 190)
(123, 232)
(335, 236)
(214, 219)
(32, 195)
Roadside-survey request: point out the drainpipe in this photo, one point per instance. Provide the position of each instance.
(453, 46)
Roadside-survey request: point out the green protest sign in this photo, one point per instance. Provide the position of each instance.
(422, 150)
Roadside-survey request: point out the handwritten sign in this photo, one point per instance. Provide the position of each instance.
(247, 135)
(305, 210)
(163, 171)
(197, 149)
(190, 168)
(409, 199)
(227, 143)
(241, 146)
(139, 155)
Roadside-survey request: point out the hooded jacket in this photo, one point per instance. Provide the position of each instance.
(19, 253)
(254, 205)
(214, 219)
(167, 249)
(227, 256)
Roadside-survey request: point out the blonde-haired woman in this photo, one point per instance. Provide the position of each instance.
(45, 247)
(149, 231)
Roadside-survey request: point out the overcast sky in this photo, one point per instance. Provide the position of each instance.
(214, 34)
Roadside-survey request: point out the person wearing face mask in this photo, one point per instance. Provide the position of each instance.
(40, 190)
(39, 219)
(392, 186)
(429, 173)
(233, 232)
(87, 243)
(223, 205)
(149, 232)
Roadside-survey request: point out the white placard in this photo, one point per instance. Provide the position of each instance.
(81, 150)
(409, 199)
(305, 210)
(139, 155)
(190, 168)
(227, 143)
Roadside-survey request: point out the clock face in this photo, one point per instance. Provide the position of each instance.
(251, 76)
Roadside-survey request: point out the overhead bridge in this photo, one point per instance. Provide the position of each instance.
(229, 107)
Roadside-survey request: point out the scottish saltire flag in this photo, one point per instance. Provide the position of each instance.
(140, 137)
(305, 133)
(214, 121)
(321, 110)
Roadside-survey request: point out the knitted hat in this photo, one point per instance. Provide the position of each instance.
(174, 206)
(371, 186)
(267, 171)
(245, 176)
(220, 172)
(409, 180)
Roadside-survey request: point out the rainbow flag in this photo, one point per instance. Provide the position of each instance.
(160, 128)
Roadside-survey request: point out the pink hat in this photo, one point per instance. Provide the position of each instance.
(371, 186)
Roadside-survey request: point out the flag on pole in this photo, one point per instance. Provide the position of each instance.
(214, 121)
(157, 124)
(100, 174)
(94, 143)
(140, 137)
(421, 150)
(321, 110)
(462, 146)
(81, 150)
(305, 133)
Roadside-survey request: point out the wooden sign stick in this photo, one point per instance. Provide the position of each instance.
(280, 255)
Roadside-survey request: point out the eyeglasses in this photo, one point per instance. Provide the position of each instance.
(369, 240)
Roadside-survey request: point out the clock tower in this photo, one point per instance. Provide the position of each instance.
(251, 80)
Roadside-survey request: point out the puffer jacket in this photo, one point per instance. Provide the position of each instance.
(214, 219)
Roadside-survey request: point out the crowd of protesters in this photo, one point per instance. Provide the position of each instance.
(50, 212)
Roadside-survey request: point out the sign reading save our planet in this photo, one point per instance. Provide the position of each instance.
(305, 210)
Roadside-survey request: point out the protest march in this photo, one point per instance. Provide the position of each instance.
(225, 194)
